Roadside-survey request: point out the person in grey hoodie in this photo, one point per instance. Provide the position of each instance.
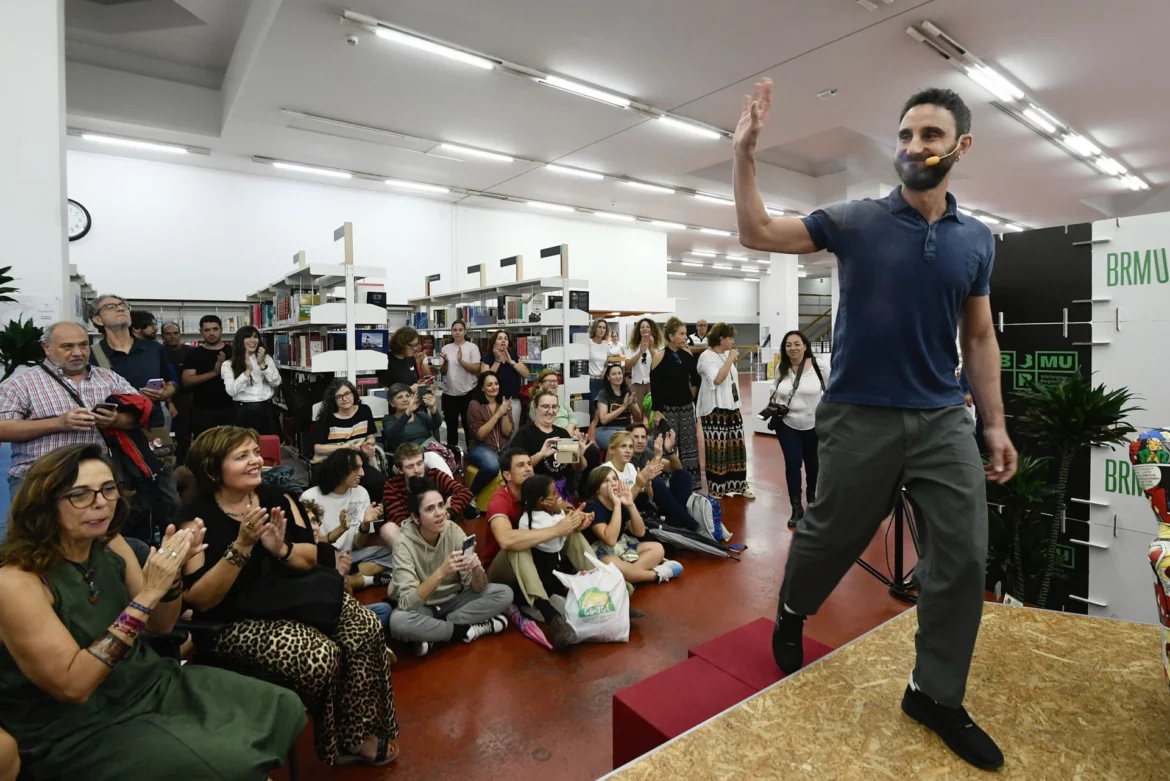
(443, 594)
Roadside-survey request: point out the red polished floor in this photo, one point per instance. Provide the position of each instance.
(506, 708)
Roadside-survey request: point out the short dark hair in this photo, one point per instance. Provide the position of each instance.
(944, 98)
(210, 319)
(140, 318)
(416, 489)
(508, 456)
(638, 425)
(336, 467)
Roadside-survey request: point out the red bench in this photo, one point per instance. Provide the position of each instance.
(746, 654)
(665, 705)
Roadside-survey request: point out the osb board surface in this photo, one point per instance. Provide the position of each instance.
(1066, 697)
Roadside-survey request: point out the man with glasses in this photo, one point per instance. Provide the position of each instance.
(56, 403)
(698, 340)
(211, 405)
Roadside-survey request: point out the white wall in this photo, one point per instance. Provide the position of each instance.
(162, 230)
(625, 267)
(715, 300)
(173, 231)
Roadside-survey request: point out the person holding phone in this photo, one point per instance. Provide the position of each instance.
(251, 379)
(442, 589)
(539, 440)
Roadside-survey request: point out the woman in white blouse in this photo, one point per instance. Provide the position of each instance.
(644, 342)
(251, 379)
(799, 385)
(718, 410)
(601, 354)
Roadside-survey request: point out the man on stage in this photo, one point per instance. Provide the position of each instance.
(913, 269)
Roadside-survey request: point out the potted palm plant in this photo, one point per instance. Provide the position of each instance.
(1017, 528)
(20, 341)
(1061, 418)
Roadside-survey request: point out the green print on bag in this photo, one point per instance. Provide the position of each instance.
(594, 602)
(1136, 268)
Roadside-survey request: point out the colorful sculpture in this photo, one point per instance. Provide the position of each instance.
(1150, 456)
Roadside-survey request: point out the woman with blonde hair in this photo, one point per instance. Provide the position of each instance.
(645, 339)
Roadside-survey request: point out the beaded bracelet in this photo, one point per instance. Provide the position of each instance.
(140, 607)
(129, 625)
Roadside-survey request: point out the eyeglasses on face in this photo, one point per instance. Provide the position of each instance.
(85, 497)
(344, 396)
(119, 307)
(547, 407)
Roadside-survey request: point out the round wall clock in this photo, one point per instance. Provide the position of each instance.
(79, 220)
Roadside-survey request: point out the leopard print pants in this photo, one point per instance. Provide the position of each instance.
(344, 679)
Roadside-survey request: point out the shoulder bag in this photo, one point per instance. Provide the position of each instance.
(158, 437)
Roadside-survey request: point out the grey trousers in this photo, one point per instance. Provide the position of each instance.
(435, 624)
(867, 455)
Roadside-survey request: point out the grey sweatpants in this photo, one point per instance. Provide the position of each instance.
(435, 624)
(867, 455)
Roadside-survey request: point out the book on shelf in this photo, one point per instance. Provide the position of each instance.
(579, 299)
(421, 320)
(579, 368)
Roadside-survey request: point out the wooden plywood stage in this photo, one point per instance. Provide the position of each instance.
(1066, 697)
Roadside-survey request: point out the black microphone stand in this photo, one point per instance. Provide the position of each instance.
(900, 584)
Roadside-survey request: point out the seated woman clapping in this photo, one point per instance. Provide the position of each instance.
(618, 531)
(283, 614)
(74, 672)
(443, 592)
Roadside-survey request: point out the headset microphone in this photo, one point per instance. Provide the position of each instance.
(935, 159)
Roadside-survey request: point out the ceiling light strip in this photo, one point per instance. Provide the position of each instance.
(135, 143)
(1012, 100)
(578, 172)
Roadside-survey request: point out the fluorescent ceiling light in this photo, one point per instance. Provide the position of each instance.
(561, 169)
(802, 273)
(703, 254)
(306, 169)
(676, 273)
(1044, 115)
(715, 199)
(132, 144)
(751, 279)
(994, 83)
(687, 127)
(692, 263)
(652, 188)
(1080, 145)
(466, 150)
(736, 256)
(1036, 117)
(714, 232)
(552, 207)
(434, 48)
(1011, 227)
(586, 91)
(416, 186)
(674, 226)
(1134, 183)
(721, 267)
(987, 219)
(615, 216)
(1109, 166)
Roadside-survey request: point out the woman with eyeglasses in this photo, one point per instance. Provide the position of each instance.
(645, 340)
(251, 379)
(76, 675)
(405, 363)
(343, 421)
(674, 383)
(614, 404)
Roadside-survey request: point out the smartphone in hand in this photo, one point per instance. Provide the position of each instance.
(469, 545)
(106, 406)
(155, 384)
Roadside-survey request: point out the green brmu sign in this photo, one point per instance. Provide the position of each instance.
(1043, 366)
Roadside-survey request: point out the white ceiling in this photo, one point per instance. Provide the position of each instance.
(1087, 62)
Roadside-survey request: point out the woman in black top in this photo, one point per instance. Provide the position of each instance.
(674, 381)
(538, 439)
(261, 561)
(404, 364)
(511, 370)
(614, 405)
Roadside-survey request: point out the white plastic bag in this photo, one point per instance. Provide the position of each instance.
(597, 605)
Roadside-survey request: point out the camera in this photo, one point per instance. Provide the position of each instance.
(773, 414)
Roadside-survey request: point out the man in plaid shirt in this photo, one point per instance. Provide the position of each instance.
(37, 413)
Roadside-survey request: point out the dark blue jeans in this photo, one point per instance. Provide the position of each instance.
(671, 499)
(487, 461)
(800, 447)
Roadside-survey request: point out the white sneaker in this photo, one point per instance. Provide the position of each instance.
(422, 648)
(668, 569)
(492, 627)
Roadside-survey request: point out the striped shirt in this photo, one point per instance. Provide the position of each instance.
(340, 431)
(34, 395)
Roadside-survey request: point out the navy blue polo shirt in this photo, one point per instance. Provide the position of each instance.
(146, 361)
(903, 284)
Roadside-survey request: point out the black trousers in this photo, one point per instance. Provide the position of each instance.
(203, 418)
(258, 415)
(455, 412)
(800, 448)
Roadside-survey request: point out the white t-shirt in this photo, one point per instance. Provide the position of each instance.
(458, 381)
(628, 475)
(355, 502)
(802, 411)
(597, 355)
(542, 520)
(711, 395)
(640, 374)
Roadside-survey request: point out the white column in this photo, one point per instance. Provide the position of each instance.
(779, 299)
(32, 187)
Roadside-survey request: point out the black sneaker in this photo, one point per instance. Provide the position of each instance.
(636, 613)
(962, 735)
(788, 641)
(384, 578)
(560, 634)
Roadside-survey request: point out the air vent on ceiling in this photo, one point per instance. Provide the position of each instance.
(113, 17)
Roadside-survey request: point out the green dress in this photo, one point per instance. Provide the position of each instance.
(151, 717)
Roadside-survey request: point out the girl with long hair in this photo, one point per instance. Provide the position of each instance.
(614, 404)
(251, 379)
(343, 421)
(674, 382)
(492, 425)
(645, 340)
(510, 370)
(799, 385)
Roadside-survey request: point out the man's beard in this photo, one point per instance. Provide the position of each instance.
(920, 177)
